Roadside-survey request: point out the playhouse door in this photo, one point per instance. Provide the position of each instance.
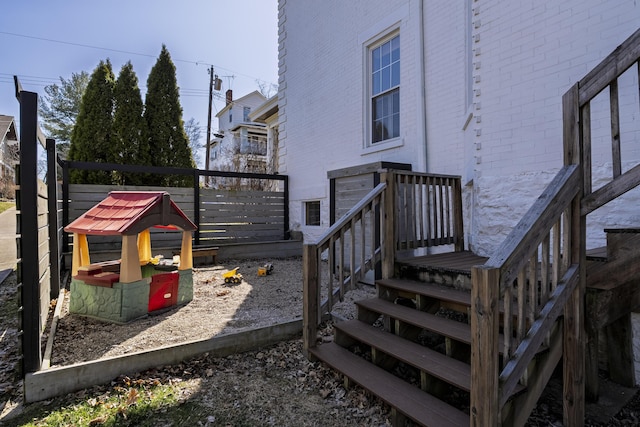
(164, 290)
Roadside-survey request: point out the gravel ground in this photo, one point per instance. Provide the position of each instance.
(217, 308)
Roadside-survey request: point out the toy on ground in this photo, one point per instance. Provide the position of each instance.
(265, 270)
(232, 276)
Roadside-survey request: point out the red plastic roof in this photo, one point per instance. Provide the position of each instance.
(130, 212)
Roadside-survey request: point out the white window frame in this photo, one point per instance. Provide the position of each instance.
(369, 46)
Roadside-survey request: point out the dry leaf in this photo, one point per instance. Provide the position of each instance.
(98, 420)
(132, 397)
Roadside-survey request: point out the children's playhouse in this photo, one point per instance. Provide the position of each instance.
(136, 284)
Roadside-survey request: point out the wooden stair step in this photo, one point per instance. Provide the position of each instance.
(436, 291)
(450, 370)
(450, 328)
(431, 290)
(419, 406)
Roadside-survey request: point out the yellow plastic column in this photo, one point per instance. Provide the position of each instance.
(144, 246)
(80, 253)
(130, 264)
(186, 255)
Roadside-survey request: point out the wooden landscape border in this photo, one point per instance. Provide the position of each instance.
(57, 381)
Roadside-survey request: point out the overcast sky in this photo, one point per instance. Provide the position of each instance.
(43, 40)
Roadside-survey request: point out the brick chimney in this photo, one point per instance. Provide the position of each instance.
(229, 96)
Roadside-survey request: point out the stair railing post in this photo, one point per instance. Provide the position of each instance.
(485, 322)
(310, 297)
(388, 217)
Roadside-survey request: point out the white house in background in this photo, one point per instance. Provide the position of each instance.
(470, 87)
(267, 113)
(240, 145)
(8, 155)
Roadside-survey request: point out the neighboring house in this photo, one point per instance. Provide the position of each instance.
(9, 149)
(240, 145)
(471, 88)
(267, 113)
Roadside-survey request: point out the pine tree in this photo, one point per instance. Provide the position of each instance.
(91, 135)
(168, 141)
(130, 144)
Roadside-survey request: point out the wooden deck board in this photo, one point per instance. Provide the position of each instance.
(450, 328)
(409, 400)
(436, 364)
(452, 261)
(441, 292)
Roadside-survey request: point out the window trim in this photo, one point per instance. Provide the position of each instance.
(305, 214)
(368, 46)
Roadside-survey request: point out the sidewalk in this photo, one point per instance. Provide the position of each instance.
(8, 239)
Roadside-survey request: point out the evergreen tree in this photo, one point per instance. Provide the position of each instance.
(91, 135)
(130, 144)
(168, 141)
(60, 107)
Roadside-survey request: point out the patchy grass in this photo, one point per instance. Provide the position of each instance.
(6, 205)
(138, 402)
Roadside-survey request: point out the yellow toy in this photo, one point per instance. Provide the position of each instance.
(232, 276)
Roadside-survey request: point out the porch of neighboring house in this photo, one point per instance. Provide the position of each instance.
(458, 339)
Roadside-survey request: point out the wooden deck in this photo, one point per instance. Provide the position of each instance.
(458, 262)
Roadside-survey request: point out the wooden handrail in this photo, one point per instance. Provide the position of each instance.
(531, 272)
(358, 227)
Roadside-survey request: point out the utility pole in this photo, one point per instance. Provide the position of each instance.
(214, 83)
(207, 178)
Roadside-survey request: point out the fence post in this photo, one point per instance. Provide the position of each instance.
(52, 205)
(28, 271)
(458, 227)
(65, 205)
(388, 216)
(287, 233)
(196, 206)
(310, 297)
(485, 322)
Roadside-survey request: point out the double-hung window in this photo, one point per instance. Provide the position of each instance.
(385, 89)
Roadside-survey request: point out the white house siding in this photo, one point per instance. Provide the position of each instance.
(322, 105)
(494, 75)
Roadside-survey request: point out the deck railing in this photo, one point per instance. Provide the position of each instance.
(429, 210)
(407, 210)
(539, 273)
(519, 294)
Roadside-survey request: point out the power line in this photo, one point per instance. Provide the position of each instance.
(122, 51)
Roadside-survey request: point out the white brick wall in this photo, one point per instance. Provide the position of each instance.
(524, 56)
(530, 54)
(321, 109)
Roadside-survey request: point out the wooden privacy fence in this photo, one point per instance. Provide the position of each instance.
(223, 216)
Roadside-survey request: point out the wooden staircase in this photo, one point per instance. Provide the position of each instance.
(410, 346)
